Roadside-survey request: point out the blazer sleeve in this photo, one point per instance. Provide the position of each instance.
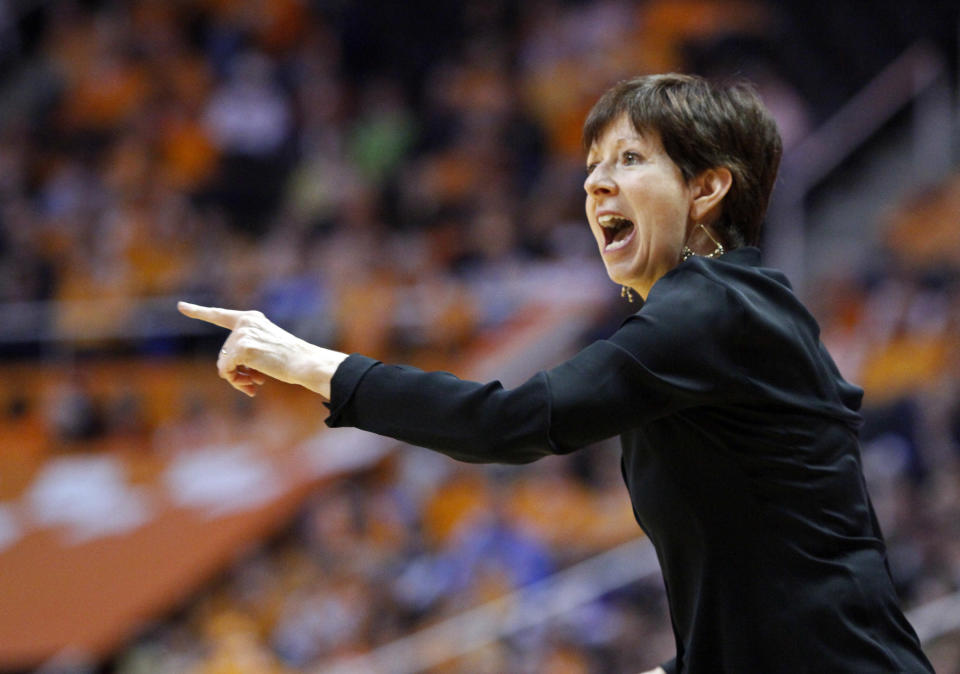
(663, 359)
(469, 421)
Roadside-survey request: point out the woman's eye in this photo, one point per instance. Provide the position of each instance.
(630, 157)
(590, 167)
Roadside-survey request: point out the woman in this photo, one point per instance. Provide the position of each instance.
(739, 435)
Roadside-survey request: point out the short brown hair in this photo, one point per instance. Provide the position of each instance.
(704, 125)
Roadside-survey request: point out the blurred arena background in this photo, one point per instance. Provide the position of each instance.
(403, 179)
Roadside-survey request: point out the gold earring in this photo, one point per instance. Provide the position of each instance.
(719, 250)
(626, 292)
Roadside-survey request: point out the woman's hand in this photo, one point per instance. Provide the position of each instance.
(257, 349)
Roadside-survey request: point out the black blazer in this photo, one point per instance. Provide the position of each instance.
(740, 453)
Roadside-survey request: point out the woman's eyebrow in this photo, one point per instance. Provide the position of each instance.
(626, 140)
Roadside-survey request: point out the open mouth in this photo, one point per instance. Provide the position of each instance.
(617, 231)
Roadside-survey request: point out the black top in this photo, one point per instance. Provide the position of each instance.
(740, 453)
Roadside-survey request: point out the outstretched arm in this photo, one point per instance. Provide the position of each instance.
(467, 420)
(603, 391)
(257, 348)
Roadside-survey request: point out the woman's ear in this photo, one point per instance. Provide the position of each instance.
(709, 189)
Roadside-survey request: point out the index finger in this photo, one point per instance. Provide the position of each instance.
(225, 318)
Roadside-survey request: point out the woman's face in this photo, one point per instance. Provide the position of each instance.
(638, 205)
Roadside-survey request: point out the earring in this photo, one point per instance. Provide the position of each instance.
(627, 293)
(719, 250)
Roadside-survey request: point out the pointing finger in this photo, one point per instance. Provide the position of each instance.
(225, 318)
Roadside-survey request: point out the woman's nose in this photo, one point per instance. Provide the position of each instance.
(599, 181)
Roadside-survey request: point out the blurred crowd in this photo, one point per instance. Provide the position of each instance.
(392, 178)
(309, 159)
(406, 546)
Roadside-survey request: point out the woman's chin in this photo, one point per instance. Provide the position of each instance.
(626, 265)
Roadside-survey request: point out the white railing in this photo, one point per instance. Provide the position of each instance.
(131, 318)
(551, 598)
(936, 618)
(142, 318)
(532, 605)
(918, 76)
